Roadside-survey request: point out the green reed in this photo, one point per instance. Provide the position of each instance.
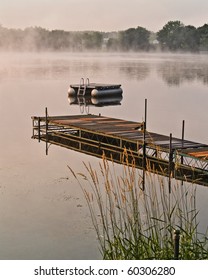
(134, 224)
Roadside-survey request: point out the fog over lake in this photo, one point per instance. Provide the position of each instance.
(43, 214)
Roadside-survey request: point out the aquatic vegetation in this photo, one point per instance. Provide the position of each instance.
(134, 224)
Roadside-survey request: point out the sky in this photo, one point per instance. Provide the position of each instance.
(101, 15)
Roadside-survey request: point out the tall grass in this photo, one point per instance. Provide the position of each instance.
(134, 224)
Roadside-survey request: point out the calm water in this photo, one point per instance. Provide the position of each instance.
(42, 211)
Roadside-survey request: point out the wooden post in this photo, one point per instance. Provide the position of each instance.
(144, 145)
(46, 127)
(46, 119)
(176, 244)
(170, 163)
(145, 114)
(80, 136)
(183, 129)
(38, 129)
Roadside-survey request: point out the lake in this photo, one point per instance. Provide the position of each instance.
(43, 214)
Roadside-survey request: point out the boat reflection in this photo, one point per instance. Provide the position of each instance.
(84, 102)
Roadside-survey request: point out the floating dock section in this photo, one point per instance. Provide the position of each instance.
(94, 89)
(123, 141)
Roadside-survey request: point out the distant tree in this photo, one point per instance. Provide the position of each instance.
(111, 41)
(113, 44)
(36, 38)
(76, 41)
(92, 40)
(97, 39)
(203, 36)
(135, 39)
(190, 38)
(171, 35)
(58, 40)
(6, 38)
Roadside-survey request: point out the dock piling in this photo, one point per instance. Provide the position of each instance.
(170, 165)
(46, 128)
(38, 129)
(176, 244)
(183, 133)
(144, 144)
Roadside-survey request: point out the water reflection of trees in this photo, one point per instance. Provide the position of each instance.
(47, 69)
(176, 73)
(138, 71)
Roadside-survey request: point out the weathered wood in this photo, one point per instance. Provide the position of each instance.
(114, 135)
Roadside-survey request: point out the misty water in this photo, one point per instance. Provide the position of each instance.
(43, 214)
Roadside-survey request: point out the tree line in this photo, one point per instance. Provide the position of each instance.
(174, 36)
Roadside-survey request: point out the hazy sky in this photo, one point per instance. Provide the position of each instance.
(101, 15)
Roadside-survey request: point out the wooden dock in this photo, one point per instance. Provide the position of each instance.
(120, 140)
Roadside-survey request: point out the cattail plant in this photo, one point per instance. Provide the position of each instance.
(132, 223)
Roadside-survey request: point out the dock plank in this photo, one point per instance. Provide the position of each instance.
(124, 129)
